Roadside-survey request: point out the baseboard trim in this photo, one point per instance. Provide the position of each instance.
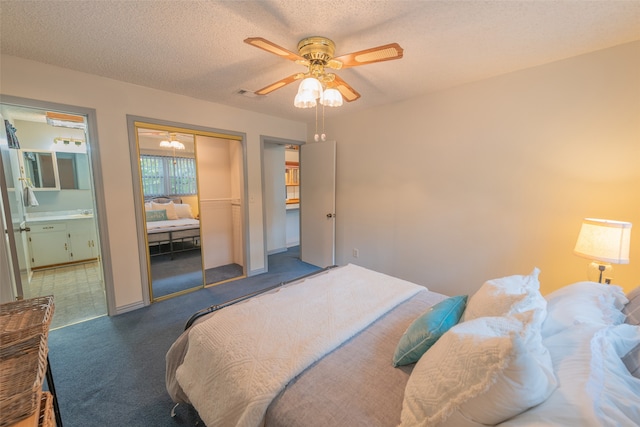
(129, 307)
(256, 272)
(276, 251)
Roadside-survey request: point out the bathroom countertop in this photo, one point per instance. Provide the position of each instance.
(59, 215)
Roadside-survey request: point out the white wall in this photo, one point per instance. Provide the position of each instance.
(275, 197)
(214, 185)
(113, 100)
(493, 178)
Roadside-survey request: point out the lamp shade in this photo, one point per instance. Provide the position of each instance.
(604, 240)
(304, 100)
(331, 98)
(312, 86)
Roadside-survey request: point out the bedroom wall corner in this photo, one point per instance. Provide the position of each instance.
(493, 178)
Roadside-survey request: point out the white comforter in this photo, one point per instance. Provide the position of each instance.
(172, 225)
(242, 357)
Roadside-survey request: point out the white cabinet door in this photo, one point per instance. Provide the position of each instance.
(48, 243)
(82, 238)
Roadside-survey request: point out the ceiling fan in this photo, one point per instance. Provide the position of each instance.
(317, 54)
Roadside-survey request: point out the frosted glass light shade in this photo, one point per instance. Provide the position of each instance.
(604, 240)
(304, 100)
(312, 86)
(331, 98)
(172, 142)
(177, 145)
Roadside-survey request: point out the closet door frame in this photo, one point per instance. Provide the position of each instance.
(132, 123)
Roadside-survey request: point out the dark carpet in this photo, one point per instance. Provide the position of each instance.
(222, 273)
(184, 271)
(110, 371)
(170, 275)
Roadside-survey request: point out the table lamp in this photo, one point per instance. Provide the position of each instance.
(605, 242)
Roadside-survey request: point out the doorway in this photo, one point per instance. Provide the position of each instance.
(190, 198)
(50, 200)
(281, 195)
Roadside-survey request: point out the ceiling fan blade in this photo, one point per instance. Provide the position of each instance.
(271, 47)
(280, 83)
(348, 93)
(387, 52)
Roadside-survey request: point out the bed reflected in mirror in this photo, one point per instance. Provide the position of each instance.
(168, 176)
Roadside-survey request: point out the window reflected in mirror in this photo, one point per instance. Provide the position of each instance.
(170, 190)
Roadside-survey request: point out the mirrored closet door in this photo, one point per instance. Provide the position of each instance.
(191, 185)
(170, 191)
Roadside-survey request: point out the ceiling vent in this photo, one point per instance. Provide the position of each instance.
(247, 93)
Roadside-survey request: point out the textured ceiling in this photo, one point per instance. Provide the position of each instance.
(196, 48)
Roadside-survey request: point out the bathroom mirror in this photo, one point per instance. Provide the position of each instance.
(73, 171)
(40, 169)
(172, 216)
(50, 170)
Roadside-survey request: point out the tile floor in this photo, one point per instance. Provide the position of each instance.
(78, 292)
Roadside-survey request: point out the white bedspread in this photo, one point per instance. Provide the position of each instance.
(242, 357)
(172, 225)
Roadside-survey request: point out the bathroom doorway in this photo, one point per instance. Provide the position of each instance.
(49, 201)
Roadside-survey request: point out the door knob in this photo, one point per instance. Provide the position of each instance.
(331, 215)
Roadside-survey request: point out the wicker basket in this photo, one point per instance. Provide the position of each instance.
(24, 326)
(22, 369)
(22, 319)
(47, 417)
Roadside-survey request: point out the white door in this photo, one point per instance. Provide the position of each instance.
(11, 222)
(317, 203)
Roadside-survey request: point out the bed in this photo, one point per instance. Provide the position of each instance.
(305, 355)
(171, 226)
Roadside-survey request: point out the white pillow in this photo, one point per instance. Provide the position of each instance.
(506, 296)
(595, 389)
(632, 311)
(583, 302)
(169, 207)
(632, 308)
(183, 210)
(480, 372)
(147, 206)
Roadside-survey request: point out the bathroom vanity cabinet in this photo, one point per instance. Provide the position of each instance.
(64, 241)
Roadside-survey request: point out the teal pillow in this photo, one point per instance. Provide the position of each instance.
(427, 329)
(156, 215)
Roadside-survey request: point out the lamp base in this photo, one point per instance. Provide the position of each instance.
(600, 272)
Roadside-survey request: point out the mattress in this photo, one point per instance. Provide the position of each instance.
(172, 225)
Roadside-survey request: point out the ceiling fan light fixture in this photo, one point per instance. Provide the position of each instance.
(304, 99)
(317, 54)
(172, 143)
(331, 98)
(311, 85)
